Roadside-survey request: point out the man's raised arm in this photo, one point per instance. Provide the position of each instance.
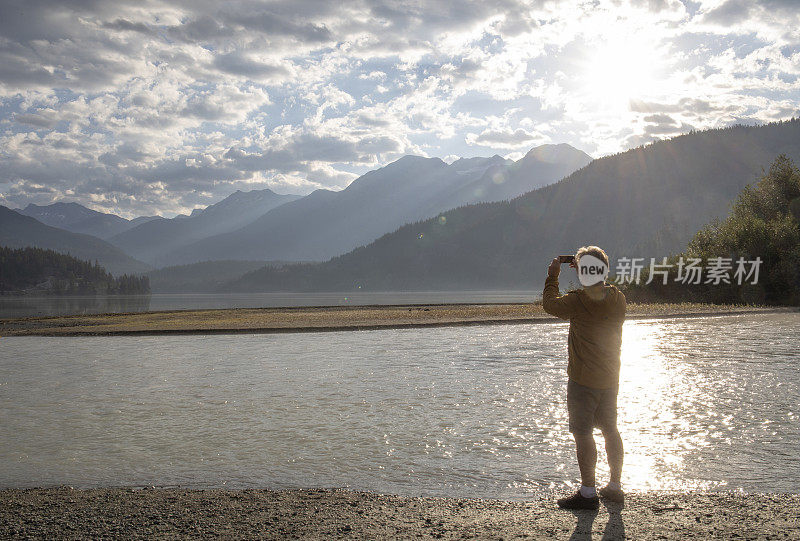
(562, 306)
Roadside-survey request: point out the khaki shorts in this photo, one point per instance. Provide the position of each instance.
(589, 408)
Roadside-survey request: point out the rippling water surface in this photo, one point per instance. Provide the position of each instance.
(707, 404)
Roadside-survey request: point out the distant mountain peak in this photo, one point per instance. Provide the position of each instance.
(408, 166)
(413, 160)
(74, 217)
(469, 164)
(61, 206)
(247, 197)
(551, 153)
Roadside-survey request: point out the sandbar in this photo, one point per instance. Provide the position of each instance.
(328, 318)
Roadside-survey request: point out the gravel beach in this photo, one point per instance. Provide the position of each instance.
(65, 513)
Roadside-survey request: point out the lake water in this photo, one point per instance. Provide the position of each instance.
(57, 306)
(705, 404)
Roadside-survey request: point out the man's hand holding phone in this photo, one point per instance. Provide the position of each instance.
(555, 266)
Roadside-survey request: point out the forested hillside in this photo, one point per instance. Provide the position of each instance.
(34, 270)
(200, 277)
(763, 226)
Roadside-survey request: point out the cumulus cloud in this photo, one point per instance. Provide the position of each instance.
(504, 138)
(160, 107)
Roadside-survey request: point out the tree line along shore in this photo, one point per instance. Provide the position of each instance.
(36, 271)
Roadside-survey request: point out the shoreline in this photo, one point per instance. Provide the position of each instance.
(332, 318)
(63, 512)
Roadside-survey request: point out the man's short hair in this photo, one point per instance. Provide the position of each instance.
(595, 251)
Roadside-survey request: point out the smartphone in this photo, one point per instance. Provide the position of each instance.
(566, 259)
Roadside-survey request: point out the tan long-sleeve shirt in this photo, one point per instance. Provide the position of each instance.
(595, 332)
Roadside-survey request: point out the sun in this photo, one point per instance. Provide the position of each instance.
(619, 69)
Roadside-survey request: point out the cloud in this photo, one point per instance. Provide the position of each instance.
(772, 20)
(158, 107)
(504, 138)
(237, 63)
(684, 105)
(660, 119)
(39, 119)
(126, 25)
(272, 22)
(226, 104)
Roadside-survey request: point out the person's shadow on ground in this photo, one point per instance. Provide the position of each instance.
(583, 527)
(615, 528)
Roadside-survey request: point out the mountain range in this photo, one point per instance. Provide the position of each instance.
(647, 201)
(325, 223)
(260, 225)
(155, 240)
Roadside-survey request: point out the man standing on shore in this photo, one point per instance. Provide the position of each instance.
(596, 314)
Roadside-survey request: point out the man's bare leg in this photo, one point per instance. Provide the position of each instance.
(586, 497)
(613, 490)
(587, 458)
(615, 454)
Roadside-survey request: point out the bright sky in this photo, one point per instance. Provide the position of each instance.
(142, 107)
